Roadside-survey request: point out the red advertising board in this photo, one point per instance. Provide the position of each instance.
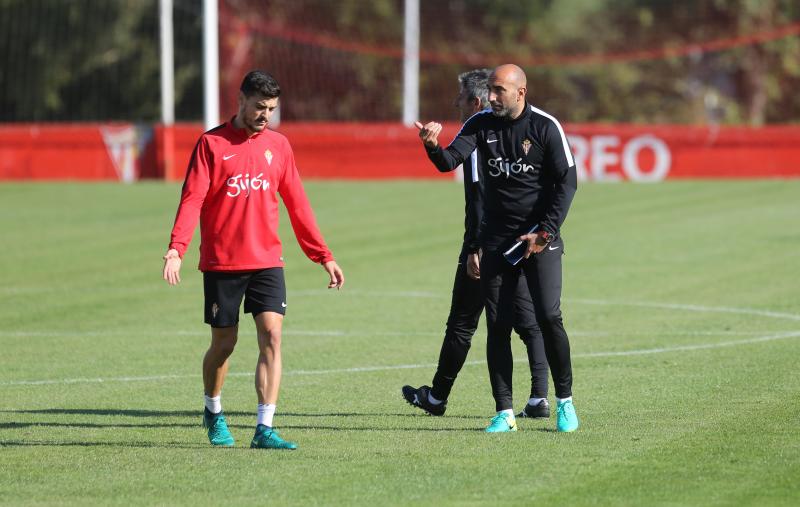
(654, 153)
(391, 151)
(66, 151)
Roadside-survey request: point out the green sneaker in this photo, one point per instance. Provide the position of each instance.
(267, 438)
(502, 423)
(218, 433)
(567, 419)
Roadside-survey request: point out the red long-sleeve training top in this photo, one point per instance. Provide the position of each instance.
(232, 185)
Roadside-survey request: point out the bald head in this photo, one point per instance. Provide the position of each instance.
(507, 88)
(511, 73)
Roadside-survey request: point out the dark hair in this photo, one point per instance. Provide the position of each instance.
(260, 82)
(476, 84)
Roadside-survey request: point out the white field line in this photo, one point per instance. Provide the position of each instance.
(439, 295)
(691, 308)
(425, 294)
(697, 308)
(602, 302)
(699, 346)
(329, 332)
(22, 290)
(362, 369)
(206, 332)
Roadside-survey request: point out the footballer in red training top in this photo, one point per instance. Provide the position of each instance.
(232, 184)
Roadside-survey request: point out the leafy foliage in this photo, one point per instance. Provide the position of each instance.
(83, 60)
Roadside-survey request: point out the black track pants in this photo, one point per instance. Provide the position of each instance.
(465, 312)
(500, 281)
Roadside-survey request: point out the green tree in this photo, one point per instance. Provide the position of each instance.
(83, 60)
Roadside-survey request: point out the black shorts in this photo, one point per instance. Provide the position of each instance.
(263, 291)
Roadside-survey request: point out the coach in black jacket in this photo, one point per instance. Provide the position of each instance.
(530, 180)
(466, 305)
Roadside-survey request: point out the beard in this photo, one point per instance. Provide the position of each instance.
(502, 112)
(255, 126)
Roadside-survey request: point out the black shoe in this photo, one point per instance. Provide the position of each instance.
(419, 399)
(540, 411)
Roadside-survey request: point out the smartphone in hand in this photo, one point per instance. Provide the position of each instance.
(517, 251)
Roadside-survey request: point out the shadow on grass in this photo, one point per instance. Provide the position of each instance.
(198, 413)
(25, 425)
(201, 444)
(416, 422)
(115, 412)
(373, 429)
(20, 425)
(136, 445)
(415, 413)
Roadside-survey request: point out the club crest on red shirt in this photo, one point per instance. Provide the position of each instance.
(268, 156)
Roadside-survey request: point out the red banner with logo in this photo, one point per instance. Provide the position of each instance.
(126, 152)
(655, 153)
(69, 152)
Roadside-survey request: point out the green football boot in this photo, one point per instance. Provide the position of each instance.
(566, 418)
(218, 433)
(268, 438)
(502, 423)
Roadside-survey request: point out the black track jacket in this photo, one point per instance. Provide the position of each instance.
(528, 172)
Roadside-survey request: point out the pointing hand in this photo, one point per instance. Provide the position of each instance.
(429, 133)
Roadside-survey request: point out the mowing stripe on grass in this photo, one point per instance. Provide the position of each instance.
(415, 294)
(328, 332)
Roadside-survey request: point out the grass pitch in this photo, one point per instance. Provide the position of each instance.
(681, 300)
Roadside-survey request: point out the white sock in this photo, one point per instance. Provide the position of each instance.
(562, 400)
(509, 411)
(535, 401)
(432, 400)
(265, 414)
(214, 405)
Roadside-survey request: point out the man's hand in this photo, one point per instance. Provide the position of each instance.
(172, 267)
(474, 265)
(335, 272)
(536, 243)
(429, 133)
